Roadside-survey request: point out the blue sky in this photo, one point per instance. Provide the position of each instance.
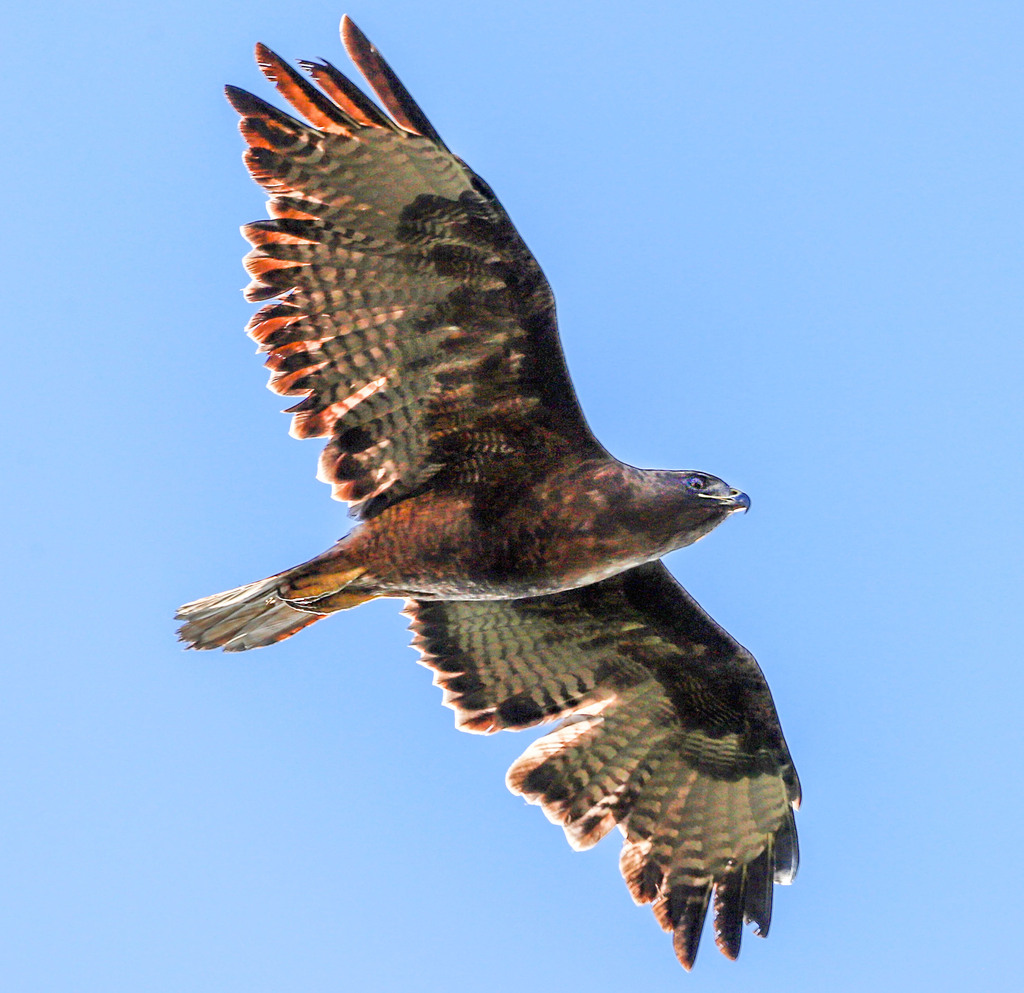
(786, 242)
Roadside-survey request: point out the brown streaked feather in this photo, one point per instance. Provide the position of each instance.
(682, 911)
(757, 901)
(411, 320)
(347, 95)
(730, 897)
(385, 83)
(318, 109)
(670, 733)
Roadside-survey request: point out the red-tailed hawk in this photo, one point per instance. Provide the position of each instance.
(419, 334)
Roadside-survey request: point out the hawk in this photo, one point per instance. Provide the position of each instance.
(418, 333)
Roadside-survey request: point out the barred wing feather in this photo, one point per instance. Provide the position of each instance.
(670, 733)
(410, 317)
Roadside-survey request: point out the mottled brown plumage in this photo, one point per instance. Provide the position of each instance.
(673, 736)
(420, 334)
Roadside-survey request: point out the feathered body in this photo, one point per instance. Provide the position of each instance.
(420, 334)
(571, 526)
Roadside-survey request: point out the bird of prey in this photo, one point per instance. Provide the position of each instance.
(418, 332)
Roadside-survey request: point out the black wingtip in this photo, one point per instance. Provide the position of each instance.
(359, 48)
(730, 894)
(243, 101)
(757, 900)
(787, 852)
(686, 910)
(349, 31)
(265, 57)
(389, 88)
(685, 942)
(347, 95)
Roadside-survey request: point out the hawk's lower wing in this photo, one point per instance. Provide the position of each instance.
(671, 734)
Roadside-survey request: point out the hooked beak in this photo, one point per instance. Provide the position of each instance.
(740, 500)
(735, 500)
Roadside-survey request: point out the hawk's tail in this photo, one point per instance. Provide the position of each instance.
(256, 615)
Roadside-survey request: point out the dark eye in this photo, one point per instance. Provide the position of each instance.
(695, 483)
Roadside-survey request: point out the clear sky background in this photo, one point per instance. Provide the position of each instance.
(786, 241)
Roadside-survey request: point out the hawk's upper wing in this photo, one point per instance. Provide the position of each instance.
(411, 316)
(673, 736)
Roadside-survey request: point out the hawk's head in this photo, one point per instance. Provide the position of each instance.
(723, 497)
(685, 506)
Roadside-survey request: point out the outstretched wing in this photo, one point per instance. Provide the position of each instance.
(671, 734)
(411, 317)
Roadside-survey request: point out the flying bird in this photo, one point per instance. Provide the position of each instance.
(418, 332)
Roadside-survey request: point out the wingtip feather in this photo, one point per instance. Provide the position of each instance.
(317, 108)
(385, 83)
